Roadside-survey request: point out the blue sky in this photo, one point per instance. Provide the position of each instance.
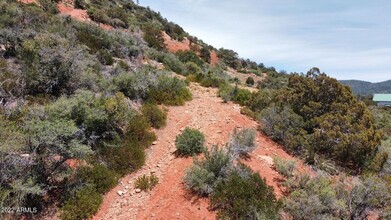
(347, 39)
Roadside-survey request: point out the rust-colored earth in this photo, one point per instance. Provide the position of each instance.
(213, 58)
(175, 46)
(170, 199)
(78, 14)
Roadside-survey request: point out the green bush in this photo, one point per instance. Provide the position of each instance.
(145, 182)
(139, 131)
(317, 198)
(242, 96)
(205, 54)
(52, 64)
(244, 195)
(189, 56)
(226, 92)
(153, 36)
(170, 91)
(81, 4)
(124, 159)
(242, 142)
(192, 69)
(49, 6)
(277, 122)
(105, 57)
(174, 31)
(250, 81)
(328, 197)
(205, 173)
(130, 155)
(284, 167)
(190, 142)
(84, 205)
(99, 176)
(134, 86)
(156, 117)
(173, 63)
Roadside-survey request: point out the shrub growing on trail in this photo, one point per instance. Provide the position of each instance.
(190, 142)
(203, 175)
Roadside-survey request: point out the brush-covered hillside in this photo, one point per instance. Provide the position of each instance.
(87, 86)
(368, 88)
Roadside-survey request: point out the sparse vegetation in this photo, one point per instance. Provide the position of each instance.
(145, 182)
(242, 142)
(70, 126)
(284, 167)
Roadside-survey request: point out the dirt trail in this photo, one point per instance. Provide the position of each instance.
(169, 199)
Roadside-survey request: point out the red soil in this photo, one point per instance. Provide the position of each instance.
(77, 14)
(174, 45)
(28, 1)
(169, 199)
(66, 7)
(213, 58)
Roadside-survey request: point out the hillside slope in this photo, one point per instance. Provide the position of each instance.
(368, 88)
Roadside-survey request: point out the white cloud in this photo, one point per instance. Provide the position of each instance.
(346, 39)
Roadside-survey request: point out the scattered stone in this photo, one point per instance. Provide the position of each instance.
(153, 215)
(269, 161)
(158, 165)
(182, 129)
(25, 155)
(177, 213)
(219, 132)
(137, 190)
(153, 171)
(120, 193)
(126, 187)
(154, 143)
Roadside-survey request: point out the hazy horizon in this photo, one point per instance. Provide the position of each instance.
(345, 39)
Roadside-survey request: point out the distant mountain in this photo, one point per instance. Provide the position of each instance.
(368, 88)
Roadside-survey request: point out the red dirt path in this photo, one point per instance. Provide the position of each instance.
(169, 199)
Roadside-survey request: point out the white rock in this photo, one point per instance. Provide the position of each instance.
(138, 190)
(120, 193)
(154, 143)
